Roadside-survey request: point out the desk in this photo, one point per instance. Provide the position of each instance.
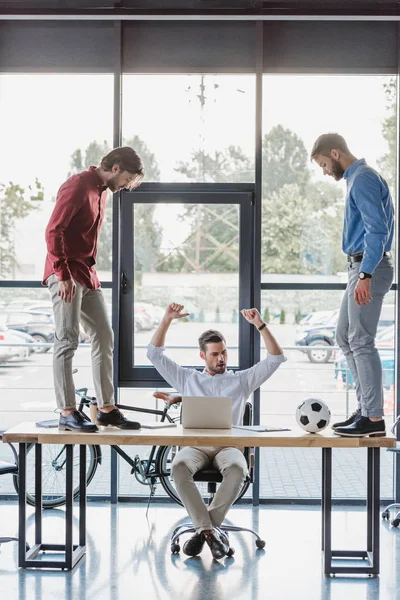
(28, 433)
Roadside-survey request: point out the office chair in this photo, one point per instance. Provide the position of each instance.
(6, 468)
(212, 476)
(396, 505)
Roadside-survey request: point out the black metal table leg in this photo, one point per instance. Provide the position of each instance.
(323, 502)
(370, 492)
(38, 494)
(69, 505)
(368, 562)
(375, 517)
(82, 496)
(72, 554)
(327, 508)
(22, 504)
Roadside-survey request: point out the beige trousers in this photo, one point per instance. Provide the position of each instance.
(89, 308)
(233, 467)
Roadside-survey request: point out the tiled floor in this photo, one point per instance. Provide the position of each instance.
(128, 557)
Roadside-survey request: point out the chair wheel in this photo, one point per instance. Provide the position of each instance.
(175, 548)
(395, 522)
(260, 544)
(386, 515)
(230, 552)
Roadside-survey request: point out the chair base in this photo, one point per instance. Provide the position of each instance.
(224, 529)
(395, 522)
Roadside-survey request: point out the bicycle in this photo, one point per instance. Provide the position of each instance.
(150, 471)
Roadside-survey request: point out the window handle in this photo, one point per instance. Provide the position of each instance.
(124, 283)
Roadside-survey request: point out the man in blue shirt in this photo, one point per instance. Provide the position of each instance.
(367, 240)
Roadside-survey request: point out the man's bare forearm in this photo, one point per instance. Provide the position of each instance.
(160, 333)
(270, 342)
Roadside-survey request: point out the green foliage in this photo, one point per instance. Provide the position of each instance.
(213, 242)
(302, 219)
(266, 315)
(298, 316)
(147, 233)
(15, 204)
(387, 163)
(282, 317)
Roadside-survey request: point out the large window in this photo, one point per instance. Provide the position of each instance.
(302, 210)
(196, 128)
(51, 127)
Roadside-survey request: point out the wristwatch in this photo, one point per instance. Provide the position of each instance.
(363, 275)
(261, 326)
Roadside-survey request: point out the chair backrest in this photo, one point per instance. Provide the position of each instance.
(248, 414)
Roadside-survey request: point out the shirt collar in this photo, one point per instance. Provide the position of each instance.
(97, 179)
(350, 170)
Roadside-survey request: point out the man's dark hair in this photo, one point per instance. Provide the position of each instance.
(126, 158)
(211, 336)
(327, 142)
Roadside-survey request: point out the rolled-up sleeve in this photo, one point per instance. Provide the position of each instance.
(254, 377)
(173, 373)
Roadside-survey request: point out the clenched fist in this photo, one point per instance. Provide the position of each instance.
(252, 316)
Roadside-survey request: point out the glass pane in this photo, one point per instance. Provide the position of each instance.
(302, 211)
(66, 122)
(304, 324)
(26, 373)
(191, 127)
(186, 253)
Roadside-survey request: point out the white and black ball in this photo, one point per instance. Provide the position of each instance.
(313, 415)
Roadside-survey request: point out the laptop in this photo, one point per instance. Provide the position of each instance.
(206, 412)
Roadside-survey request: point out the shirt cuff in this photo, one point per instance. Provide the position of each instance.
(151, 349)
(276, 358)
(62, 271)
(367, 267)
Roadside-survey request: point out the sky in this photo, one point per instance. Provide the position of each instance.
(44, 118)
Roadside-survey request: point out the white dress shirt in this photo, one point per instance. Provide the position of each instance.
(236, 385)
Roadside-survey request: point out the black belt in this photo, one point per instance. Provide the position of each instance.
(354, 258)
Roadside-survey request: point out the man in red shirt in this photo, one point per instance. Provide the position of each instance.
(71, 238)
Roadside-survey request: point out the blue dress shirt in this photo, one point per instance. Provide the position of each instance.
(368, 219)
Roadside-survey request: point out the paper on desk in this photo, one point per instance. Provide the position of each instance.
(260, 428)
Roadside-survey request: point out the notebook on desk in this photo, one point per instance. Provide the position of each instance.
(260, 428)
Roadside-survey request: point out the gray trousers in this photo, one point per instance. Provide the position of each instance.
(229, 461)
(355, 335)
(89, 308)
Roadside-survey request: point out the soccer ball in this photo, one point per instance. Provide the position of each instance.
(313, 415)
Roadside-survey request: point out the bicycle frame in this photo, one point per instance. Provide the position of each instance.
(132, 462)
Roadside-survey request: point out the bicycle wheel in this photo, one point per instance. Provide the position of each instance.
(165, 456)
(54, 473)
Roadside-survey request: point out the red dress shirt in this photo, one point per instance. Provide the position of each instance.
(73, 229)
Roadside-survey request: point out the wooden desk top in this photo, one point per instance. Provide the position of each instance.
(177, 436)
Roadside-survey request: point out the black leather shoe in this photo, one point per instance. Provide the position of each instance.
(218, 548)
(363, 427)
(356, 415)
(116, 419)
(194, 545)
(76, 421)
